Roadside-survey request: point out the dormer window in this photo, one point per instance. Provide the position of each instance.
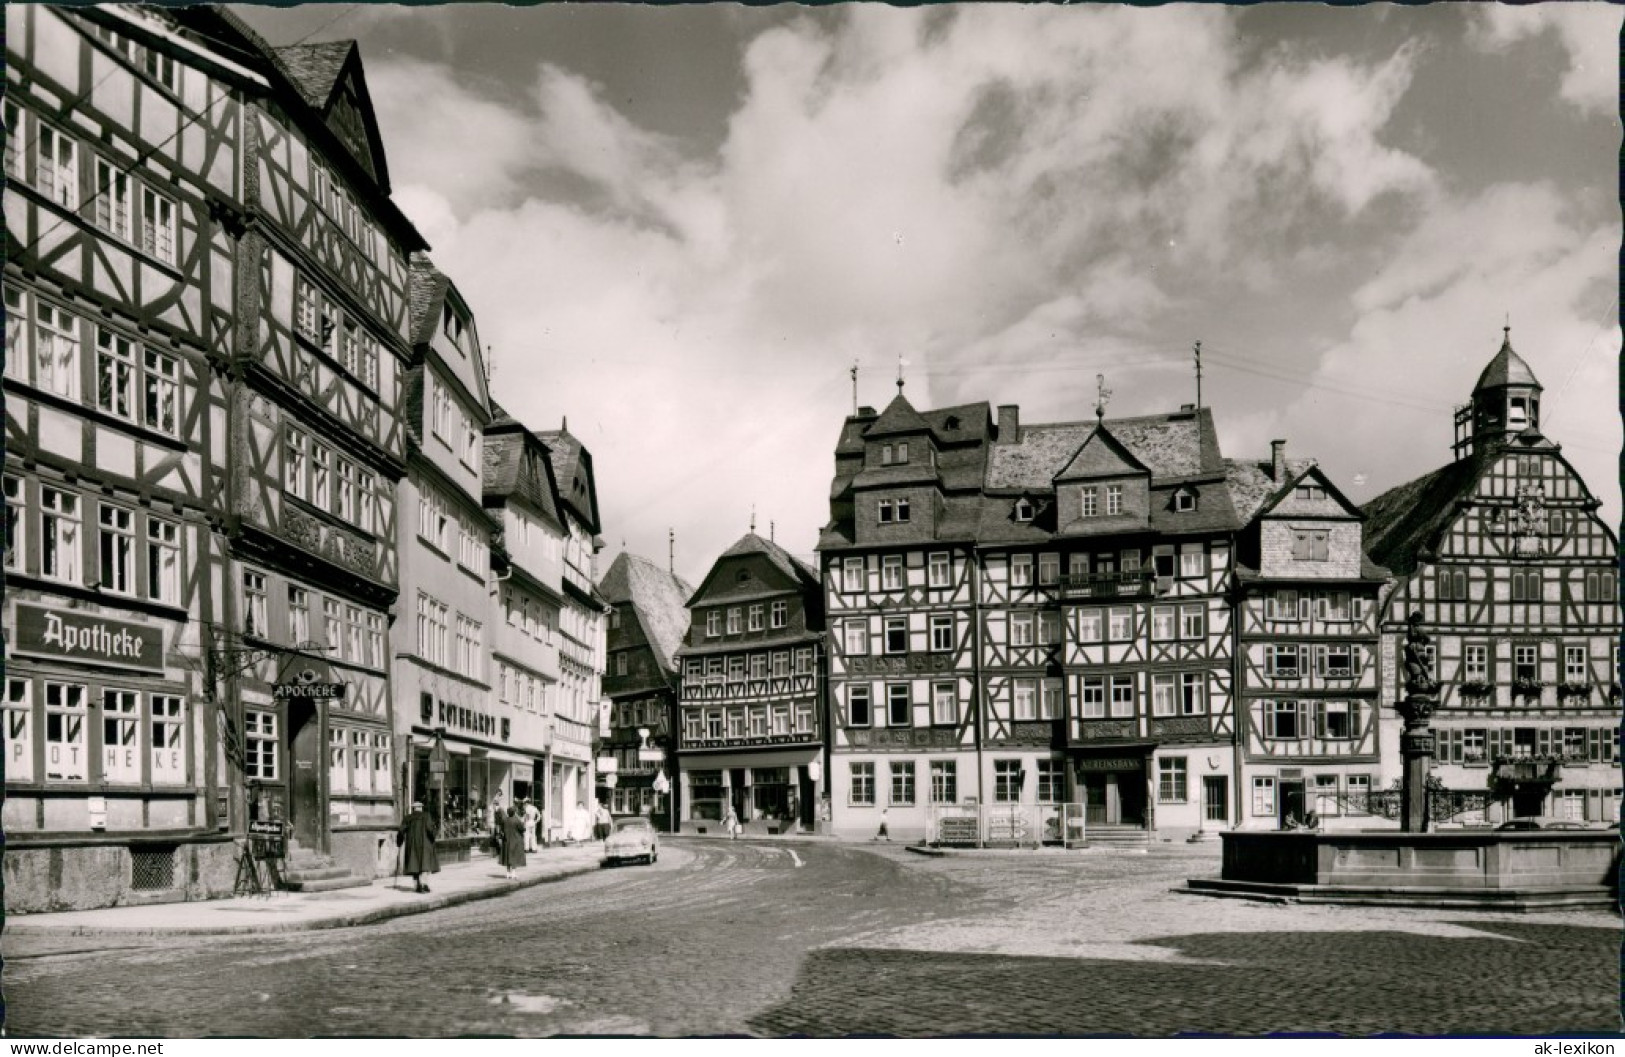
(452, 327)
(893, 511)
(952, 422)
(1184, 501)
(1024, 510)
(1114, 499)
(894, 454)
(1310, 491)
(1090, 503)
(743, 576)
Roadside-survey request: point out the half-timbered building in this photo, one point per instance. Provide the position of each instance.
(644, 631)
(1515, 576)
(752, 733)
(1306, 661)
(1026, 617)
(308, 455)
(122, 138)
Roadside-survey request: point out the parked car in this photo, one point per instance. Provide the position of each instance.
(632, 838)
(1541, 822)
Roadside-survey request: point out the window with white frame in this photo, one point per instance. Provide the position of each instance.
(18, 730)
(56, 351)
(859, 707)
(851, 575)
(891, 572)
(1114, 499)
(168, 746)
(1049, 701)
(1282, 604)
(1193, 622)
(1337, 720)
(863, 783)
(1263, 797)
(1123, 703)
(781, 664)
(1338, 661)
(1172, 776)
(17, 354)
(944, 704)
(66, 751)
(736, 668)
(713, 623)
(944, 782)
(116, 549)
(1475, 662)
(1359, 792)
(1051, 781)
(1164, 623)
(1164, 695)
(157, 226)
(1338, 606)
(1184, 501)
(433, 630)
(1089, 505)
(1049, 627)
(896, 634)
(261, 754)
(56, 166)
(899, 709)
(1474, 745)
(1049, 569)
(939, 570)
(1021, 570)
(14, 152)
(1121, 623)
(778, 614)
(1282, 660)
(333, 626)
(1575, 668)
(115, 374)
(16, 522)
(434, 523)
(1091, 625)
(1024, 699)
(60, 541)
(1024, 510)
(1007, 781)
(735, 621)
(1021, 629)
(1192, 693)
(1525, 662)
(1093, 698)
(855, 636)
(1325, 794)
(902, 781)
(1192, 561)
(1281, 721)
(121, 736)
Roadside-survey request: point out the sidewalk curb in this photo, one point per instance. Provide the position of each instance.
(365, 917)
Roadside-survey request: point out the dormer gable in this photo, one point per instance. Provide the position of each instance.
(1101, 455)
(1184, 500)
(329, 77)
(899, 419)
(1310, 493)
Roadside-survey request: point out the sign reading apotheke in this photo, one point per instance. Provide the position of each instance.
(74, 635)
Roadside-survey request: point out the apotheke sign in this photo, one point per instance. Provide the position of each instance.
(71, 634)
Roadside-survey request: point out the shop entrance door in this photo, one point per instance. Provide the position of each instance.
(1130, 798)
(1215, 798)
(307, 752)
(739, 795)
(805, 800)
(1292, 803)
(1094, 798)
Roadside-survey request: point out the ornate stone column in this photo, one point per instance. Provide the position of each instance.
(1416, 744)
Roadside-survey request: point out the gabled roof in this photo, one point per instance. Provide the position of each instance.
(659, 597)
(517, 465)
(1101, 455)
(572, 469)
(1177, 445)
(1407, 520)
(787, 563)
(428, 289)
(1506, 368)
(324, 74)
(899, 417)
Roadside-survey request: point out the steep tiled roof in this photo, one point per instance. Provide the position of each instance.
(658, 596)
(787, 563)
(1404, 521)
(899, 417)
(1506, 368)
(509, 472)
(1175, 445)
(313, 68)
(567, 455)
(1101, 454)
(1252, 487)
(426, 290)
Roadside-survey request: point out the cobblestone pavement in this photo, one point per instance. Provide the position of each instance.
(721, 938)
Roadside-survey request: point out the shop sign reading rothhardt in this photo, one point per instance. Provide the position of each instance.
(70, 634)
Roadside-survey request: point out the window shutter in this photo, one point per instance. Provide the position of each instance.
(1322, 607)
(1357, 607)
(1306, 717)
(1594, 745)
(1356, 659)
(1269, 660)
(1543, 742)
(1303, 607)
(1493, 743)
(1320, 660)
(1458, 741)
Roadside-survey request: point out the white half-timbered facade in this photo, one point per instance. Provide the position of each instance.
(750, 707)
(1307, 666)
(1516, 578)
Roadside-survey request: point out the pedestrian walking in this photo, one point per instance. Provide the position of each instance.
(513, 841)
(416, 839)
(532, 818)
(882, 833)
(603, 823)
(730, 822)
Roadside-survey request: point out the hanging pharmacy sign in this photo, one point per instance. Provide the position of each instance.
(87, 638)
(307, 680)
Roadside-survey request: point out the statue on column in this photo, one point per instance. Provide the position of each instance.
(1419, 679)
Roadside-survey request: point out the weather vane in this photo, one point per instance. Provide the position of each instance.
(901, 363)
(1103, 395)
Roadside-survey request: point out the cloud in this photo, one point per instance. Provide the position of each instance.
(1014, 198)
(1588, 32)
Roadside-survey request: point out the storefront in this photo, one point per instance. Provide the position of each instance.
(775, 791)
(1113, 786)
(466, 767)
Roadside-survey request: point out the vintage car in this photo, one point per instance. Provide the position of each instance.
(632, 838)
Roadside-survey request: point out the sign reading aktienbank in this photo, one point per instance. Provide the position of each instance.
(70, 634)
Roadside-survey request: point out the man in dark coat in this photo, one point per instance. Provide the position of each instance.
(513, 840)
(417, 835)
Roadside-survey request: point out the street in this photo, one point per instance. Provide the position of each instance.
(823, 939)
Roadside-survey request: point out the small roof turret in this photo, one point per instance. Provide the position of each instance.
(1507, 368)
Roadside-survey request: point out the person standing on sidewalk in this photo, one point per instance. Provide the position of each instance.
(882, 833)
(603, 823)
(416, 838)
(730, 822)
(532, 817)
(513, 840)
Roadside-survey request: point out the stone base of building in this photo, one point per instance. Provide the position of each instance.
(88, 876)
(366, 852)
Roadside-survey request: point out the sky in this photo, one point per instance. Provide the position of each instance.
(679, 228)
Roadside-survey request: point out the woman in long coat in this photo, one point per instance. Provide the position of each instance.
(416, 837)
(513, 841)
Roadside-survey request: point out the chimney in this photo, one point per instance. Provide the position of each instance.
(1009, 421)
(1278, 460)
